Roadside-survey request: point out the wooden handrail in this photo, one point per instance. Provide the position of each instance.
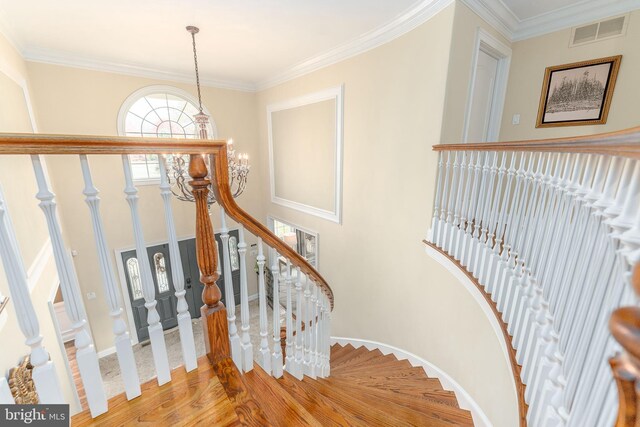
(27, 143)
(226, 200)
(625, 143)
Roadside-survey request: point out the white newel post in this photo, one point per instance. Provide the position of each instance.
(298, 362)
(185, 327)
(126, 360)
(156, 333)
(276, 360)
(431, 235)
(85, 352)
(44, 373)
(265, 357)
(245, 341)
(290, 357)
(234, 338)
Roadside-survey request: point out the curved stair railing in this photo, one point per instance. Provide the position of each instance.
(550, 231)
(225, 336)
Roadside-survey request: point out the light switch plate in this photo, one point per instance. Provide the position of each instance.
(516, 119)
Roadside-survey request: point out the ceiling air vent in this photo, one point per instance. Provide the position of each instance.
(609, 28)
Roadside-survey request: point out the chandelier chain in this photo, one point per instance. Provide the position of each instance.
(195, 60)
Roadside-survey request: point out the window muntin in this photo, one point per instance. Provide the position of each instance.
(158, 112)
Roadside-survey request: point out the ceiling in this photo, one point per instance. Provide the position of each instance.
(242, 43)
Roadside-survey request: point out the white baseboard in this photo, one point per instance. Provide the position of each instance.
(465, 401)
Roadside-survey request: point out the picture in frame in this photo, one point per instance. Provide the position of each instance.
(578, 93)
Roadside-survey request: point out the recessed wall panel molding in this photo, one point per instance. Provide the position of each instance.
(305, 153)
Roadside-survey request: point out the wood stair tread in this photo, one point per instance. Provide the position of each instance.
(246, 407)
(362, 358)
(279, 406)
(327, 412)
(376, 410)
(421, 397)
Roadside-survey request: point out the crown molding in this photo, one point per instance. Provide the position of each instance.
(500, 17)
(567, 17)
(497, 14)
(59, 58)
(401, 25)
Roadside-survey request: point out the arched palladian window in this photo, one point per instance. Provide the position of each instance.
(158, 112)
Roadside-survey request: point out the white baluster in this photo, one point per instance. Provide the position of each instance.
(86, 356)
(177, 275)
(313, 332)
(247, 347)
(460, 198)
(463, 233)
(289, 322)
(276, 360)
(318, 332)
(234, 338)
(156, 334)
(435, 220)
(327, 366)
(298, 364)
(126, 360)
(453, 200)
(308, 318)
(264, 359)
(43, 373)
(445, 198)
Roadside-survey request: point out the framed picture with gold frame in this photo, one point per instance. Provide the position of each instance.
(579, 93)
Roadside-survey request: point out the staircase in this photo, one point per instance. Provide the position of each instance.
(366, 388)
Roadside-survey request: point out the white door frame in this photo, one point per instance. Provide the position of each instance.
(492, 46)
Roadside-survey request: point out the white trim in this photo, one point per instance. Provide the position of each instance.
(149, 90)
(477, 296)
(577, 14)
(399, 26)
(271, 226)
(496, 14)
(500, 17)
(335, 93)
(465, 401)
(21, 80)
(489, 44)
(47, 56)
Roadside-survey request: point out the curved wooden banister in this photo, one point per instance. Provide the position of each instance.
(224, 197)
(625, 143)
(28, 143)
(32, 144)
(625, 328)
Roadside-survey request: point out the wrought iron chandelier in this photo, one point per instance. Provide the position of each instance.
(177, 166)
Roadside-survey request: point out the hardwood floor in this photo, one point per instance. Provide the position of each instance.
(366, 388)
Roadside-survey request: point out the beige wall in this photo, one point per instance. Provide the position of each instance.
(465, 29)
(19, 188)
(532, 56)
(386, 288)
(76, 101)
(304, 141)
